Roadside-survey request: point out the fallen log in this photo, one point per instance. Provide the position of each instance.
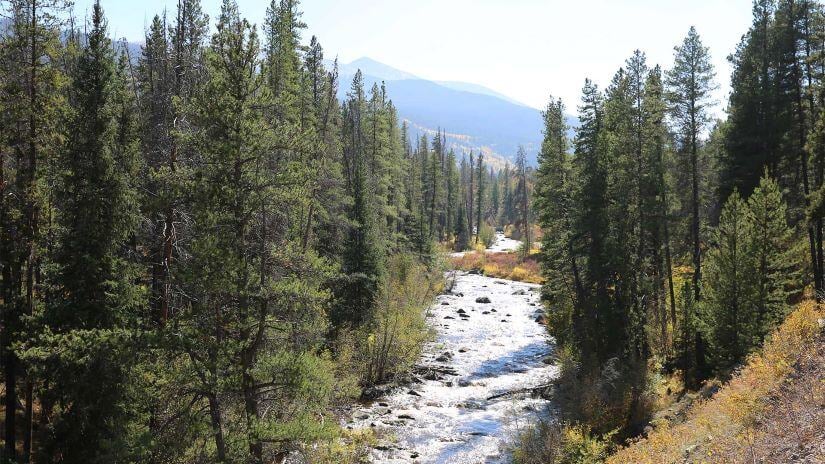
(518, 391)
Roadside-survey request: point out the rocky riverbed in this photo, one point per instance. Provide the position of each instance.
(476, 379)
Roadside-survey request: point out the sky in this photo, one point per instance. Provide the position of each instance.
(526, 49)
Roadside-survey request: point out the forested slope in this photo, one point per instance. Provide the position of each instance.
(204, 253)
(674, 244)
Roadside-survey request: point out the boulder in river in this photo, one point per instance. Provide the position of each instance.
(374, 392)
(541, 320)
(444, 357)
(445, 303)
(461, 311)
(449, 317)
(482, 299)
(520, 292)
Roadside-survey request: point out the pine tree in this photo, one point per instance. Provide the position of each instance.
(754, 134)
(728, 293)
(32, 100)
(590, 226)
(98, 299)
(774, 271)
(657, 198)
(552, 205)
(522, 202)
(481, 174)
(690, 84)
(363, 254)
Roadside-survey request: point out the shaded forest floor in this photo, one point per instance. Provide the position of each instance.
(771, 411)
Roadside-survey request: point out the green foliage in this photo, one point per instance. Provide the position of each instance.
(751, 273)
(94, 297)
(726, 296)
(486, 235)
(392, 343)
(462, 235)
(555, 443)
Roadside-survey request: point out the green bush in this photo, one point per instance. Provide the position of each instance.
(487, 235)
(391, 345)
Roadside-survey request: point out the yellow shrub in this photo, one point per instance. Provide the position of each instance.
(491, 269)
(519, 273)
(728, 416)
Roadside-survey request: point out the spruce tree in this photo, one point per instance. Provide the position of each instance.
(728, 291)
(774, 272)
(481, 182)
(521, 202)
(98, 300)
(363, 253)
(552, 205)
(32, 105)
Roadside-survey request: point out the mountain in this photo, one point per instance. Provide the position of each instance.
(374, 68)
(476, 88)
(474, 117)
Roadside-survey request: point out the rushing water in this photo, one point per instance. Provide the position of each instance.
(481, 350)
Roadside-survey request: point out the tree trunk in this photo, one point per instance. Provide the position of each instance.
(217, 427)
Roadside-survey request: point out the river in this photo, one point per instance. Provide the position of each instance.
(481, 350)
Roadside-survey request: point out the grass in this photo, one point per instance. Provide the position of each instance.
(501, 265)
(732, 425)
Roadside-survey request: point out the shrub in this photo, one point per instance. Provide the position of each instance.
(723, 425)
(392, 343)
(487, 235)
(555, 443)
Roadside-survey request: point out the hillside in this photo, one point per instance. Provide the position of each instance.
(772, 411)
(475, 117)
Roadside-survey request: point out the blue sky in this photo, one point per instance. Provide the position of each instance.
(526, 49)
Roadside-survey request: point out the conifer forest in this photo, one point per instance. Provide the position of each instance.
(220, 244)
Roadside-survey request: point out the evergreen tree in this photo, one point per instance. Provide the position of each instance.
(462, 235)
(98, 300)
(728, 294)
(253, 323)
(553, 204)
(481, 176)
(363, 254)
(774, 266)
(656, 201)
(690, 84)
(495, 197)
(521, 201)
(32, 105)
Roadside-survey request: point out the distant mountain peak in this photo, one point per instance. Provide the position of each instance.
(476, 118)
(375, 68)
